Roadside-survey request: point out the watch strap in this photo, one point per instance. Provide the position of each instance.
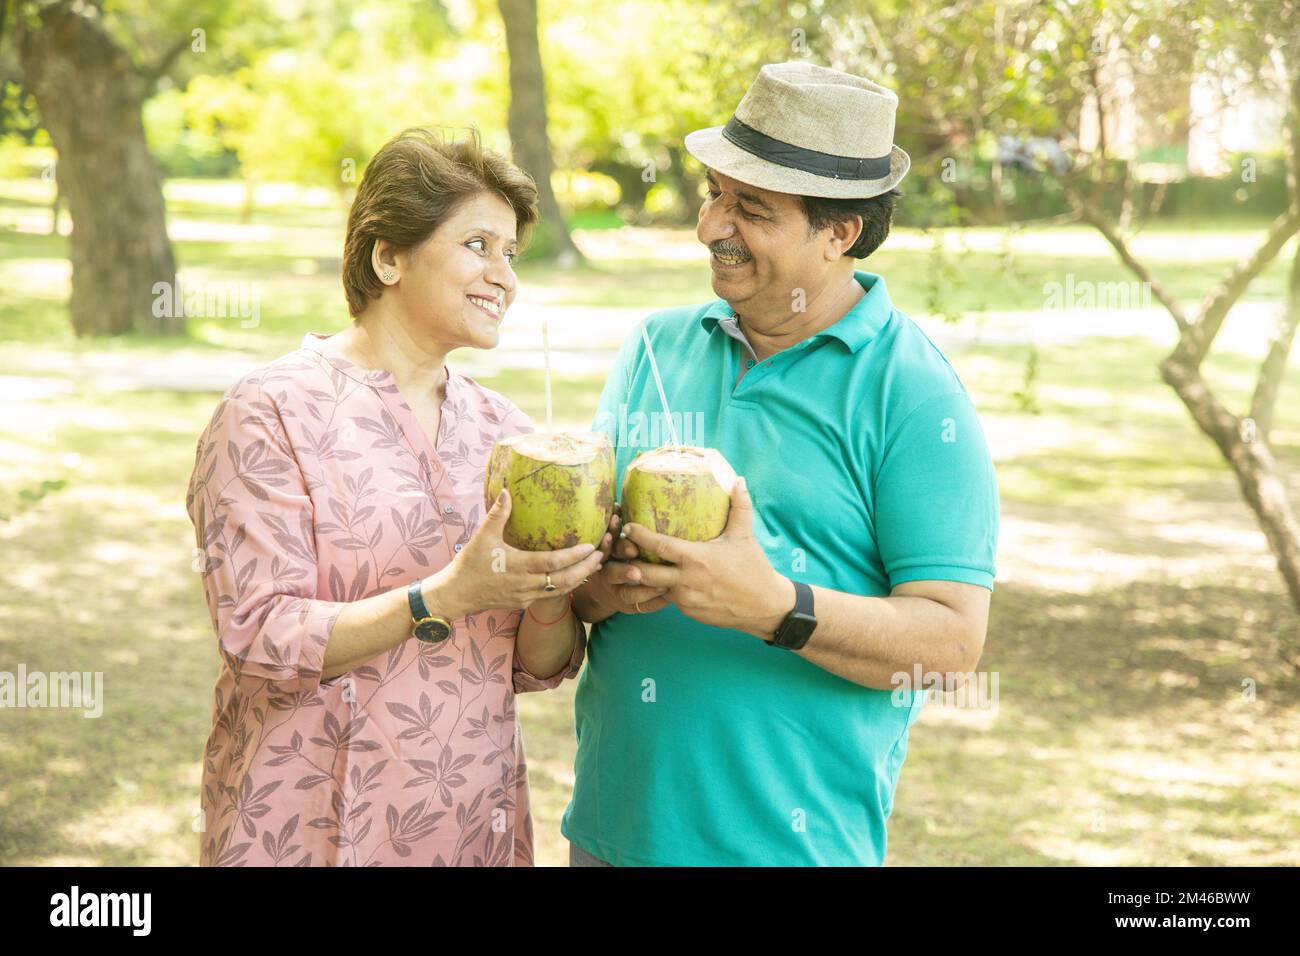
(794, 630)
(415, 600)
(803, 598)
(426, 627)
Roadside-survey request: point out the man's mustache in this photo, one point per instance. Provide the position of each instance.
(729, 250)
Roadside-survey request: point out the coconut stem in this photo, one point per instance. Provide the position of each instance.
(546, 359)
(663, 398)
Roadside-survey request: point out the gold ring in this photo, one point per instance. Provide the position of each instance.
(549, 585)
(637, 605)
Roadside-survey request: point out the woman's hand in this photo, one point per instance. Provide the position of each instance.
(488, 573)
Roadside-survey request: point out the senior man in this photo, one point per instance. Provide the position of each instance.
(749, 703)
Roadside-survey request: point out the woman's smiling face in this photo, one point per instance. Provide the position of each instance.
(456, 286)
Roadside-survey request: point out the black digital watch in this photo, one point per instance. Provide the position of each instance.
(799, 623)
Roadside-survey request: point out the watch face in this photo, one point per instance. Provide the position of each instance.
(431, 631)
(798, 629)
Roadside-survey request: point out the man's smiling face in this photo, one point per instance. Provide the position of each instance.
(760, 249)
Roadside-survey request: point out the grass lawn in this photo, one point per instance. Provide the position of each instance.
(1143, 717)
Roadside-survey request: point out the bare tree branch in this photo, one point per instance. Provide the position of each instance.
(1251, 461)
(152, 74)
(1092, 216)
(1194, 346)
(1293, 131)
(1270, 373)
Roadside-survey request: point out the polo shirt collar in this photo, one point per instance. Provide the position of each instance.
(855, 329)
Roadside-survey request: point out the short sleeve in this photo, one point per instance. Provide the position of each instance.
(255, 546)
(936, 497)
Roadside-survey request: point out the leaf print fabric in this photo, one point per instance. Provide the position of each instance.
(315, 486)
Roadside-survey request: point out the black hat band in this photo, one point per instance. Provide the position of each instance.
(805, 160)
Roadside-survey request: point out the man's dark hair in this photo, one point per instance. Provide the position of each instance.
(877, 213)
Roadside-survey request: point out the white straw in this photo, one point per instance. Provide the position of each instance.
(546, 358)
(654, 367)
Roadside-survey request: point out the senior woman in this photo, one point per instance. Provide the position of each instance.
(373, 626)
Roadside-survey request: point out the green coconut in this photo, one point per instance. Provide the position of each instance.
(561, 488)
(678, 490)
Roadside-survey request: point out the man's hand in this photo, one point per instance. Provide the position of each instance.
(618, 587)
(726, 582)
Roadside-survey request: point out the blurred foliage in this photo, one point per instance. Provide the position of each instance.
(181, 148)
(307, 91)
(304, 110)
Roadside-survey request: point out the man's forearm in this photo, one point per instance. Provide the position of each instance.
(868, 640)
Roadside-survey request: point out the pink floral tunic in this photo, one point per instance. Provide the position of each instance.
(314, 485)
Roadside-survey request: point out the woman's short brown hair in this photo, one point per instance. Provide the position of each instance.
(410, 187)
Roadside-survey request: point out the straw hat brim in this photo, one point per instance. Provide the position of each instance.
(712, 149)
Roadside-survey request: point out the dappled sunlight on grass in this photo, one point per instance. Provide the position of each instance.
(1136, 611)
(38, 278)
(132, 829)
(618, 246)
(969, 719)
(1117, 750)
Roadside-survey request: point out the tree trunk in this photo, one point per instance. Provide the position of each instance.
(1275, 363)
(1242, 441)
(90, 96)
(1253, 465)
(527, 121)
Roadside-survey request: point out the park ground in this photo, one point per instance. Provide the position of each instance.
(1144, 715)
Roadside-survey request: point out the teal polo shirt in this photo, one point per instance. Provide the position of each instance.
(867, 466)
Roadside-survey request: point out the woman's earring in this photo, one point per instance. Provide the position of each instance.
(388, 277)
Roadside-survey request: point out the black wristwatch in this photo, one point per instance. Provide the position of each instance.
(425, 627)
(799, 623)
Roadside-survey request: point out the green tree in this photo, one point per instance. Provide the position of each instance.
(529, 136)
(313, 106)
(978, 69)
(90, 65)
(1243, 46)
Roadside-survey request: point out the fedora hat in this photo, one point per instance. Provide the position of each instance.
(810, 131)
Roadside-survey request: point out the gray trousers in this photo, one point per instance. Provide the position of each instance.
(580, 857)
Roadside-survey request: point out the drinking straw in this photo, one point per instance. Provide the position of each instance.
(546, 358)
(654, 368)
